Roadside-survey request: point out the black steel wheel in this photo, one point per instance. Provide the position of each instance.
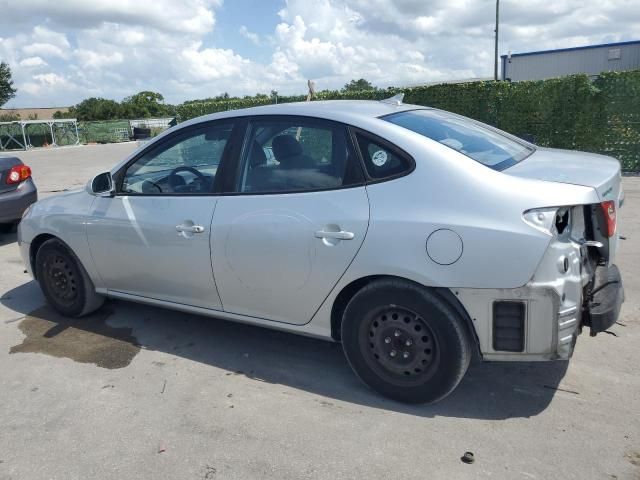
(405, 341)
(400, 344)
(63, 280)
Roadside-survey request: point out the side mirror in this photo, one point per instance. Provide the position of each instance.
(102, 185)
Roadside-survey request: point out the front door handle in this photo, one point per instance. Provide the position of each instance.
(189, 228)
(341, 235)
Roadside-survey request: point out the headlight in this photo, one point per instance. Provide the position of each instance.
(542, 219)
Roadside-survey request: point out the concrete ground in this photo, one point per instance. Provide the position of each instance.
(139, 392)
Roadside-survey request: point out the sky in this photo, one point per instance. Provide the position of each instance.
(63, 51)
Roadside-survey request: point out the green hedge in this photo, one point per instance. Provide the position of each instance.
(575, 112)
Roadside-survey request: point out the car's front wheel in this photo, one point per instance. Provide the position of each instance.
(64, 281)
(405, 341)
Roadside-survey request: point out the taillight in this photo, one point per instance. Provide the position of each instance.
(18, 174)
(609, 211)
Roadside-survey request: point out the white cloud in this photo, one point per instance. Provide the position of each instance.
(45, 49)
(44, 35)
(46, 84)
(185, 16)
(32, 62)
(113, 48)
(91, 59)
(205, 65)
(251, 36)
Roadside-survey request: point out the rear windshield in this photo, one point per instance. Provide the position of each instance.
(477, 141)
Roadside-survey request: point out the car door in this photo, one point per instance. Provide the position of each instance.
(295, 221)
(152, 238)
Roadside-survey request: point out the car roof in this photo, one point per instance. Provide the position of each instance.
(346, 111)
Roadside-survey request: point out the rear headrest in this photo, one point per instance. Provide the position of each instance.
(285, 146)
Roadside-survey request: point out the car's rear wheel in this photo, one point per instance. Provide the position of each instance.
(405, 341)
(64, 281)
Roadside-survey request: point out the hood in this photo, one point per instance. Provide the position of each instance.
(567, 166)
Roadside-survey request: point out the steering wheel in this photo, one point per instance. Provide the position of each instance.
(175, 180)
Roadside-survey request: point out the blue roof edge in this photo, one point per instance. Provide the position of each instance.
(570, 49)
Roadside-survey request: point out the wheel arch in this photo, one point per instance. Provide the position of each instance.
(38, 241)
(346, 294)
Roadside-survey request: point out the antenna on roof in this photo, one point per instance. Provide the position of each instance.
(395, 100)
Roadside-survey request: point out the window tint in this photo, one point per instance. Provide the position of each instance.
(298, 155)
(382, 161)
(186, 164)
(480, 142)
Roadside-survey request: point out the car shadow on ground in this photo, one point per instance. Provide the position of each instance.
(490, 391)
(7, 238)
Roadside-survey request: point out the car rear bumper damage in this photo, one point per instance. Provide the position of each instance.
(542, 320)
(604, 300)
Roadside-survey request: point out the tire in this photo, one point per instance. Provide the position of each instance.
(405, 341)
(64, 281)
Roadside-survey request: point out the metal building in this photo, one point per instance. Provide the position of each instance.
(592, 60)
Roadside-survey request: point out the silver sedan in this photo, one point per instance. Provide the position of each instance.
(416, 237)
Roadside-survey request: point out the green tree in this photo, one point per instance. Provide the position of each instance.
(93, 109)
(60, 114)
(7, 92)
(145, 105)
(358, 85)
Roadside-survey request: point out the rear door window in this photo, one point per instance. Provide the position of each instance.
(291, 154)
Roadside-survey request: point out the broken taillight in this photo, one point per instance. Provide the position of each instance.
(609, 211)
(18, 174)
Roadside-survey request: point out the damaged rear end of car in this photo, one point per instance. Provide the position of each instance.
(530, 291)
(576, 284)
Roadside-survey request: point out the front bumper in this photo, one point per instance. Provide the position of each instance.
(14, 203)
(604, 300)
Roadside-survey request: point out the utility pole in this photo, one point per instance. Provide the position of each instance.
(495, 60)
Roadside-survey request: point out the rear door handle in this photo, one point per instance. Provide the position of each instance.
(190, 228)
(341, 235)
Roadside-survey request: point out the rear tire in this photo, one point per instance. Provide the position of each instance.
(405, 341)
(64, 281)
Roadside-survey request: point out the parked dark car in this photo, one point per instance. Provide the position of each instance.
(17, 191)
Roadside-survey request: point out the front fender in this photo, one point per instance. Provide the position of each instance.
(65, 217)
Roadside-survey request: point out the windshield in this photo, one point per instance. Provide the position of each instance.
(480, 142)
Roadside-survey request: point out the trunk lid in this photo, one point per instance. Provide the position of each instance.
(5, 166)
(578, 168)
